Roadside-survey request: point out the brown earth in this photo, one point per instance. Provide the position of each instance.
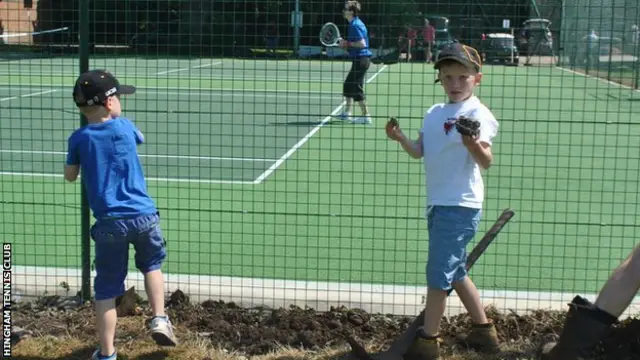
(248, 332)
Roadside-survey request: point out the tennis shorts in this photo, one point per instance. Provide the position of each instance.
(451, 228)
(112, 237)
(354, 83)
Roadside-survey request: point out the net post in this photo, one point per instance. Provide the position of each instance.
(84, 209)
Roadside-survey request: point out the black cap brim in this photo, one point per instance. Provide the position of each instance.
(126, 89)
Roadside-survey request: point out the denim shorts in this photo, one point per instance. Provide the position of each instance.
(451, 228)
(112, 237)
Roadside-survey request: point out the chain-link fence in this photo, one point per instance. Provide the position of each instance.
(268, 196)
(600, 37)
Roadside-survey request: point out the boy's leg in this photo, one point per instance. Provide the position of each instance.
(586, 323)
(106, 320)
(346, 112)
(450, 230)
(483, 335)
(111, 261)
(470, 297)
(362, 66)
(434, 311)
(151, 252)
(154, 287)
(347, 92)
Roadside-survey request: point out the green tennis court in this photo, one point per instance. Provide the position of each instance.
(255, 179)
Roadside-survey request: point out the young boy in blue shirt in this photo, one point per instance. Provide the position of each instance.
(106, 151)
(455, 194)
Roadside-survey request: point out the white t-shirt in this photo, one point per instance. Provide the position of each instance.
(453, 176)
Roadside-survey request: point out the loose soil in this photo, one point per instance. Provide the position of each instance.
(254, 332)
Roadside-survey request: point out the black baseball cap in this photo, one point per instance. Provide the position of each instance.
(465, 55)
(95, 86)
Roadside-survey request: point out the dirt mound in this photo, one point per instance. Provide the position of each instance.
(260, 330)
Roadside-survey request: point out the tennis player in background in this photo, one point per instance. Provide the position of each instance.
(357, 46)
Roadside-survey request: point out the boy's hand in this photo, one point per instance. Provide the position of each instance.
(470, 141)
(393, 129)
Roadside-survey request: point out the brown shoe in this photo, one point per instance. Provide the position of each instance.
(483, 338)
(424, 348)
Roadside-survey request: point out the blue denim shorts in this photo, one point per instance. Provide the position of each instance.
(112, 237)
(451, 228)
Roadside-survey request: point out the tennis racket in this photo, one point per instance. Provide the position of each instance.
(330, 35)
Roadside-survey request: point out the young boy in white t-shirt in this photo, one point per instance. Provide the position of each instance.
(455, 193)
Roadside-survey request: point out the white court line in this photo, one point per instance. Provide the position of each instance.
(188, 68)
(319, 295)
(40, 93)
(306, 138)
(195, 181)
(143, 155)
(598, 78)
(234, 78)
(284, 78)
(252, 94)
(186, 90)
(29, 95)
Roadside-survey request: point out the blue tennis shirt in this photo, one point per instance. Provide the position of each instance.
(111, 170)
(356, 32)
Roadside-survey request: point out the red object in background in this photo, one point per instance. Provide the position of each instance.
(484, 37)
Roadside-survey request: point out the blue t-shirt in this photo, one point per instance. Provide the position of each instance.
(111, 170)
(356, 32)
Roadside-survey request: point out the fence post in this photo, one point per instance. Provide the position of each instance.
(636, 53)
(83, 35)
(296, 29)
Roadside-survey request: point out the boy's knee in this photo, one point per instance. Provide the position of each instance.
(445, 267)
(443, 278)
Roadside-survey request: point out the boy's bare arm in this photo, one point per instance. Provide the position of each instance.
(71, 172)
(481, 151)
(413, 148)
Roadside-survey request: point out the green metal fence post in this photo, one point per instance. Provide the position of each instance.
(83, 34)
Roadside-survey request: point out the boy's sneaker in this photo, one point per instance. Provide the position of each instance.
(366, 120)
(162, 331)
(345, 116)
(97, 356)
